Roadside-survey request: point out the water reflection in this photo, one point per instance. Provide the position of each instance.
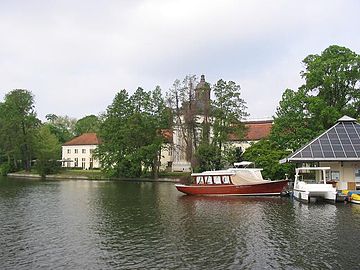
(133, 225)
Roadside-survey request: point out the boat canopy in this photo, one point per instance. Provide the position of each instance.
(248, 177)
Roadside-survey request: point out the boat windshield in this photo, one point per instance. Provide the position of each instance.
(311, 175)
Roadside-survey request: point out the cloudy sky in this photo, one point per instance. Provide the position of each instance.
(75, 55)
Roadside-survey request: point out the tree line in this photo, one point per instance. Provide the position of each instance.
(131, 128)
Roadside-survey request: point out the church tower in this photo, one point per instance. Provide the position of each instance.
(202, 96)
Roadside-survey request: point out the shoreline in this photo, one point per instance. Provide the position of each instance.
(75, 177)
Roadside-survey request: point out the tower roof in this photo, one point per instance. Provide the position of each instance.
(202, 82)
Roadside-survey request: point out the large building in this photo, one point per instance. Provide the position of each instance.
(337, 148)
(255, 129)
(78, 152)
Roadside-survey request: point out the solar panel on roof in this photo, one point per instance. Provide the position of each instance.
(339, 142)
(329, 154)
(318, 154)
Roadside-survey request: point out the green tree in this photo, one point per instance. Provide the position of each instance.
(18, 124)
(265, 154)
(89, 123)
(331, 90)
(47, 151)
(131, 133)
(334, 77)
(228, 109)
(293, 125)
(63, 127)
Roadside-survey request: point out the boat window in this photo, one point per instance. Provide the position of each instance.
(226, 179)
(217, 180)
(208, 179)
(199, 180)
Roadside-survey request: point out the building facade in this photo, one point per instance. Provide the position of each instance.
(78, 152)
(256, 130)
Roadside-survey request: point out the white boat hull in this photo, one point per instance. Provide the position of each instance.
(305, 196)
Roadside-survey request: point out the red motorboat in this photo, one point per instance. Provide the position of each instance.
(233, 181)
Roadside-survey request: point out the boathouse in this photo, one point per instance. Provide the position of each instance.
(337, 148)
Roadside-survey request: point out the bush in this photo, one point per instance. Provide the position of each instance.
(5, 168)
(45, 167)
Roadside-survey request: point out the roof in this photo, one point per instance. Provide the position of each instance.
(341, 142)
(256, 130)
(167, 134)
(84, 139)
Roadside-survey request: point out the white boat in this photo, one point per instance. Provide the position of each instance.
(309, 190)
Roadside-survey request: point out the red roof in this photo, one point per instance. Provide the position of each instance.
(84, 139)
(256, 130)
(167, 134)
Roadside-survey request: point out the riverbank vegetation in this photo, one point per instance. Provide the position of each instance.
(131, 128)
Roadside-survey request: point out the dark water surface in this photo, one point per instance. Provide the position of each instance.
(137, 225)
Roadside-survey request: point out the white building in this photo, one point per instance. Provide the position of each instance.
(78, 152)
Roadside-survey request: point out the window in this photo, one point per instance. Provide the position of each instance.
(199, 180)
(83, 163)
(91, 151)
(83, 151)
(75, 151)
(357, 175)
(208, 179)
(69, 151)
(217, 180)
(335, 175)
(76, 162)
(226, 179)
(91, 163)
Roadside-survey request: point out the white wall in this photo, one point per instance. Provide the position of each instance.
(348, 172)
(83, 153)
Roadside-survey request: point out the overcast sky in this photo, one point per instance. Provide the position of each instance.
(76, 55)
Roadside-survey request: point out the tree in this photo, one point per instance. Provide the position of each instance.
(131, 133)
(331, 90)
(293, 125)
(87, 124)
(228, 109)
(265, 154)
(47, 151)
(63, 127)
(334, 78)
(18, 123)
(181, 100)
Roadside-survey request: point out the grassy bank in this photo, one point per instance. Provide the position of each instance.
(98, 175)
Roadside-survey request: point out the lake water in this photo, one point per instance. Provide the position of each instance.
(142, 225)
